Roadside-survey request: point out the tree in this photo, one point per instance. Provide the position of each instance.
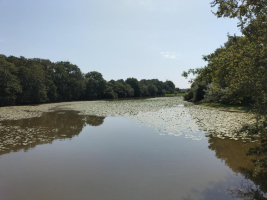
(120, 90)
(247, 11)
(237, 72)
(169, 87)
(36, 80)
(51, 88)
(69, 81)
(95, 86)
(177, 90)
(129, 90)
(144, 90)
(159, 85)
(110, 94)
(133, 82)
(10, 85)
(152, 89)
(32, 79)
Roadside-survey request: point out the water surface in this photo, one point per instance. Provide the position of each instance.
(88, 157)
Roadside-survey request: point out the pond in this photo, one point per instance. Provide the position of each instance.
(67, 155)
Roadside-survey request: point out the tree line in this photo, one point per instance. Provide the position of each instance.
(25, 81)
(236, 73)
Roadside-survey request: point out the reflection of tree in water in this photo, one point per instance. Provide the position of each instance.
(233, 153)
(94, 120)
(27, 133)
(247, 191)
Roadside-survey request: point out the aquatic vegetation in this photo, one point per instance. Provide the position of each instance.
(168, 115)
(27, 133)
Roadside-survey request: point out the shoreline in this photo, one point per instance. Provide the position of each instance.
(156, 112)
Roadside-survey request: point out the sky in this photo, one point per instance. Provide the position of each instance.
(144, 39)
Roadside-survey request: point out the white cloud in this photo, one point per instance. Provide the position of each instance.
(170, 55)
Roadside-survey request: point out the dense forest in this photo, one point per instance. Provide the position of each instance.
(236, 73)
(25, 81)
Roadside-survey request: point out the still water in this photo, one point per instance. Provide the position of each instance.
(114, 158)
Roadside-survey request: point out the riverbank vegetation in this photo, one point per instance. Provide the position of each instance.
(26, 81)
(175, 94)
(236, 73)
(229, 107)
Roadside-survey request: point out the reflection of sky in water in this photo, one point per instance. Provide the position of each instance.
(113, 158)
(174, 121)
(117, 160)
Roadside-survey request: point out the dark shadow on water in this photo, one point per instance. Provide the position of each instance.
(214, 190)
(243, 190)
(233, 154)
(248, 191)
(94, 120)
(25, 134)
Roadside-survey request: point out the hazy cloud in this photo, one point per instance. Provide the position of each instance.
(151, 5)
(170, 55)
(161, 5)
(137, 4)
(148, 4)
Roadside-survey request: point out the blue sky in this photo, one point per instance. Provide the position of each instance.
(119, 38)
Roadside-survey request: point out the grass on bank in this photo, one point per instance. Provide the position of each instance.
(173, 95)
(227, 107)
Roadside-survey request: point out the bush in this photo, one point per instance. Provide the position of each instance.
(198, 92)
(189, 95)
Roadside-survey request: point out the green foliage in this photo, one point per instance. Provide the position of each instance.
(247, 62)
(227, 106)
(69, 81)
(215, 93)
(110, 94)
(133, 82)
(236, 73)
(10, 85)
(25, 81)
(130, 90)
(189, 95)
(159, 85)
(261, 156)
(152, 89)
(198, 92)
(247, 11)
(51, 88)
(169, 95)
(96, 85)
(144, 90)
(169, 87)
(32, 80)
(177, 90)
(118, 88)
